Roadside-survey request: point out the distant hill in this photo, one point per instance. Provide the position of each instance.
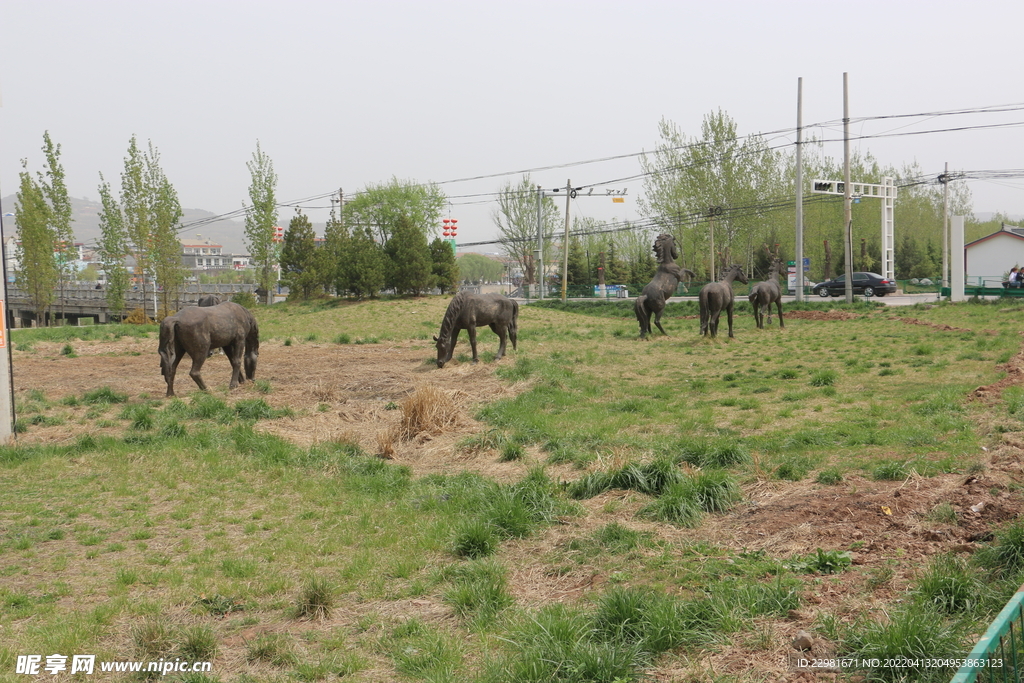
(228, 233)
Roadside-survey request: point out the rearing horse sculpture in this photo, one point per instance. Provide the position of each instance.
(652, 299)
(716, 296)
(764, 294)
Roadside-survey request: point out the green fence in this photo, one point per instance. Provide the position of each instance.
(999, 655)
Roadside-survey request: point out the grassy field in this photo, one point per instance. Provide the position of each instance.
(163, 529)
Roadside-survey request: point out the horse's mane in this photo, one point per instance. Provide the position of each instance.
(451, 315)
(663, 248)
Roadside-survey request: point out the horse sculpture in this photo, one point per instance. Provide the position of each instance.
(764, 294)
(466, 311)
(716, 296)
(195, 330)
(653, 297)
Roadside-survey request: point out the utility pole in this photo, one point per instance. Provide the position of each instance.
(565, 242)
(712, 212)
(799, 191)
(847, 192)
(944, 179)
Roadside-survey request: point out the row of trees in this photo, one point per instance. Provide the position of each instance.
(737, 193)
(378, 241)
(141, 220)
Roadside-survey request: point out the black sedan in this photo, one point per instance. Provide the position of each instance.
(868, 284)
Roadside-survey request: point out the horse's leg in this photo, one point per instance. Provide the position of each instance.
(657, 319)
(757, 313)
(173, 369)
(451, 346)
(638, 309)
(704, 318)
(716, 313)
(728, 312)
(500, 331)
(471, 331)
(234, 352)
(778, 303)
(198, 359)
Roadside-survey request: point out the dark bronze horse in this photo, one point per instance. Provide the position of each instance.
(764, 294)
(195, 330)
(208, 300)
(652, 299)
(467, 311)
(716, 296)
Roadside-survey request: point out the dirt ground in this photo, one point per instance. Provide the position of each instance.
(351, 392)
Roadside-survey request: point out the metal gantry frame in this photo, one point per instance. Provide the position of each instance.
(886, 192)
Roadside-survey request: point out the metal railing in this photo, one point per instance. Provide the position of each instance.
(999, 654)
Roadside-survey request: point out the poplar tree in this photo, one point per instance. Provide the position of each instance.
(165, 247)
(135, 211)
(59, 214)
(260, 219)
(113, 248)
(38, 273)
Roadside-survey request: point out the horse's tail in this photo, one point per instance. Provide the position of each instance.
(513, 324)
(641, 313)
(704, 310)
(252, 348)
(755, 292)
(168, 347)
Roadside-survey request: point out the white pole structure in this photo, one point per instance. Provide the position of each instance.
(847, 195)
(956, 241)
(538, 267)
(6, 369)
(799, 191)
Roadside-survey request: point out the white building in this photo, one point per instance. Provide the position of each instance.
(989, 259)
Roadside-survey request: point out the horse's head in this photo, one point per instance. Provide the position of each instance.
(738, 269)
(665, 248)
(443, 354)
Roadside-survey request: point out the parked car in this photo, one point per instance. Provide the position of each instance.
(868, 284)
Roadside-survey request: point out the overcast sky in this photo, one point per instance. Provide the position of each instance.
(342, 94)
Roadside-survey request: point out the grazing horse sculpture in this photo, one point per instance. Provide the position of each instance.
(716, 296)
(652, 299)
(208, 300)
(195, 330)
(764, 294)
(466, 311)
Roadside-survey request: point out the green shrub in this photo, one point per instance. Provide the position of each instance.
(950, 585)
(245, 299)
(475, 538)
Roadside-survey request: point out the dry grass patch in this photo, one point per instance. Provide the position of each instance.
(429, 411)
